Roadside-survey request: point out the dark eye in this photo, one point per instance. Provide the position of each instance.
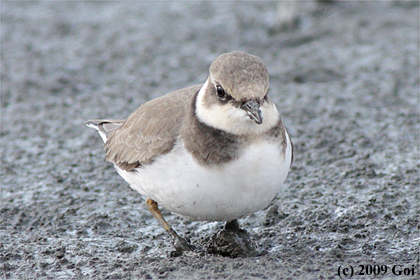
(220, 92)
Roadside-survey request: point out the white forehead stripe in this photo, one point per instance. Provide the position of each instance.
(233, 119)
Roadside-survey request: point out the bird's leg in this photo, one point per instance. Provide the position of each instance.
(232, 225)
(232, 241)
(179, 243)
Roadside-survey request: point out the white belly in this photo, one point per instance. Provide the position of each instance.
(213, 193)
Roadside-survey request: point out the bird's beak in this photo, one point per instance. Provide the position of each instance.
(252, 108)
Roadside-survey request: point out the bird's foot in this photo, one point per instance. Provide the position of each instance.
(232, 241)
(181, 245)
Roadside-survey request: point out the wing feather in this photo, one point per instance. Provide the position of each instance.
(149, 131)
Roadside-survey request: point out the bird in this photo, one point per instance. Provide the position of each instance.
(217, 151)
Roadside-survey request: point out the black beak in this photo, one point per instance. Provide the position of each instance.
(252, 108)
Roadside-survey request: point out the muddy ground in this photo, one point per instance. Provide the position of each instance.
(346, 82)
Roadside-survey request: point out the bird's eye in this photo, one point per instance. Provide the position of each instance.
(220, 92)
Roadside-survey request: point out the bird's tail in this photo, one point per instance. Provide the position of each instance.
(105, 127)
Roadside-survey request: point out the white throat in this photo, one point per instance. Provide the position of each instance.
(232, 119)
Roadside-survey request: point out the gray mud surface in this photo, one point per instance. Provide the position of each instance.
(346, 82)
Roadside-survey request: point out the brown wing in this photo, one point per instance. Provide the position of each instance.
(150, 130)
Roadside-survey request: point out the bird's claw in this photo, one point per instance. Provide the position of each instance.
(182, 246)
